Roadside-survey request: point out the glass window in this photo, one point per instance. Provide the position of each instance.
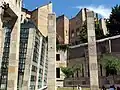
(33, 78)
(34, 68)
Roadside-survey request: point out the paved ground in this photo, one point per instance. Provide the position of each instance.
(68, 88)
(72, 88)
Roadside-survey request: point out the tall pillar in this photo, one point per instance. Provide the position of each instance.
(28, 61)
(93, 66)
(14, 56)
(44, 68)
(51, 52)
(38, 66)
(1, 34)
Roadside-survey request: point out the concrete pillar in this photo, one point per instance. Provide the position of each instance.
(93, 66)
(1, 35)
(110, 47)
(44, 68)
(51, 52)
(14, 56)
(38, 66)
(28, 61)
(86, 64)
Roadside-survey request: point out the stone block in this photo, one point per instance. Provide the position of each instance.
(10, 83)
(11, 69)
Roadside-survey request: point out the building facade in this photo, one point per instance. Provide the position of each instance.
(10, 15)
(61, 61)
(107, 45)
(33, 63)
(75, 26)
(23, 49)
(62, 29)
(62, 36)
(40, 17)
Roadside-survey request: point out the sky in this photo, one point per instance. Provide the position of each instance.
(71, 7)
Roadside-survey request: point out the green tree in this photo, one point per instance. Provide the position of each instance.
(98, 31)
(67, 71)
(83, 33)
(70, 71)
(77, 68)
(113, 23)
(111, 64)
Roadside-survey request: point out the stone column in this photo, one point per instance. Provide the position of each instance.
(28, 61)
(1, 34)
(86, 63)
(14, 56)
(44, 66)
(51, 52)
(38, 66)
(110, 47)
(93, 66)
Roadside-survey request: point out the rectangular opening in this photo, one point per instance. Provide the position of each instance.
(57, 57)
(58, 72)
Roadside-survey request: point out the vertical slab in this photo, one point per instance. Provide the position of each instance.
(44, 68)
(1, 37)
(38, 66)
(93, 66)
(51, 52)
(14, 57)
(28, 61)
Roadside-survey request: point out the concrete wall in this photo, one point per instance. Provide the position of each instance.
(66, 30)
(14, 12)
(75, 25)
(61, 63)
(43, 18)
(34, 17)
(103, 26)
(62, 28)
(103, 46)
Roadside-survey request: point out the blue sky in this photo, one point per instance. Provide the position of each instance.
(71, 7)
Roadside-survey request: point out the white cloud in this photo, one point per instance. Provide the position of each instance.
(102, 10)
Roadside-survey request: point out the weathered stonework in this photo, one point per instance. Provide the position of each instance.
(61, 63)
(38, 66)
(1, 35)
(14, 56)
(51, 52)
(92, 52)
(40, 18)
(28, 62)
